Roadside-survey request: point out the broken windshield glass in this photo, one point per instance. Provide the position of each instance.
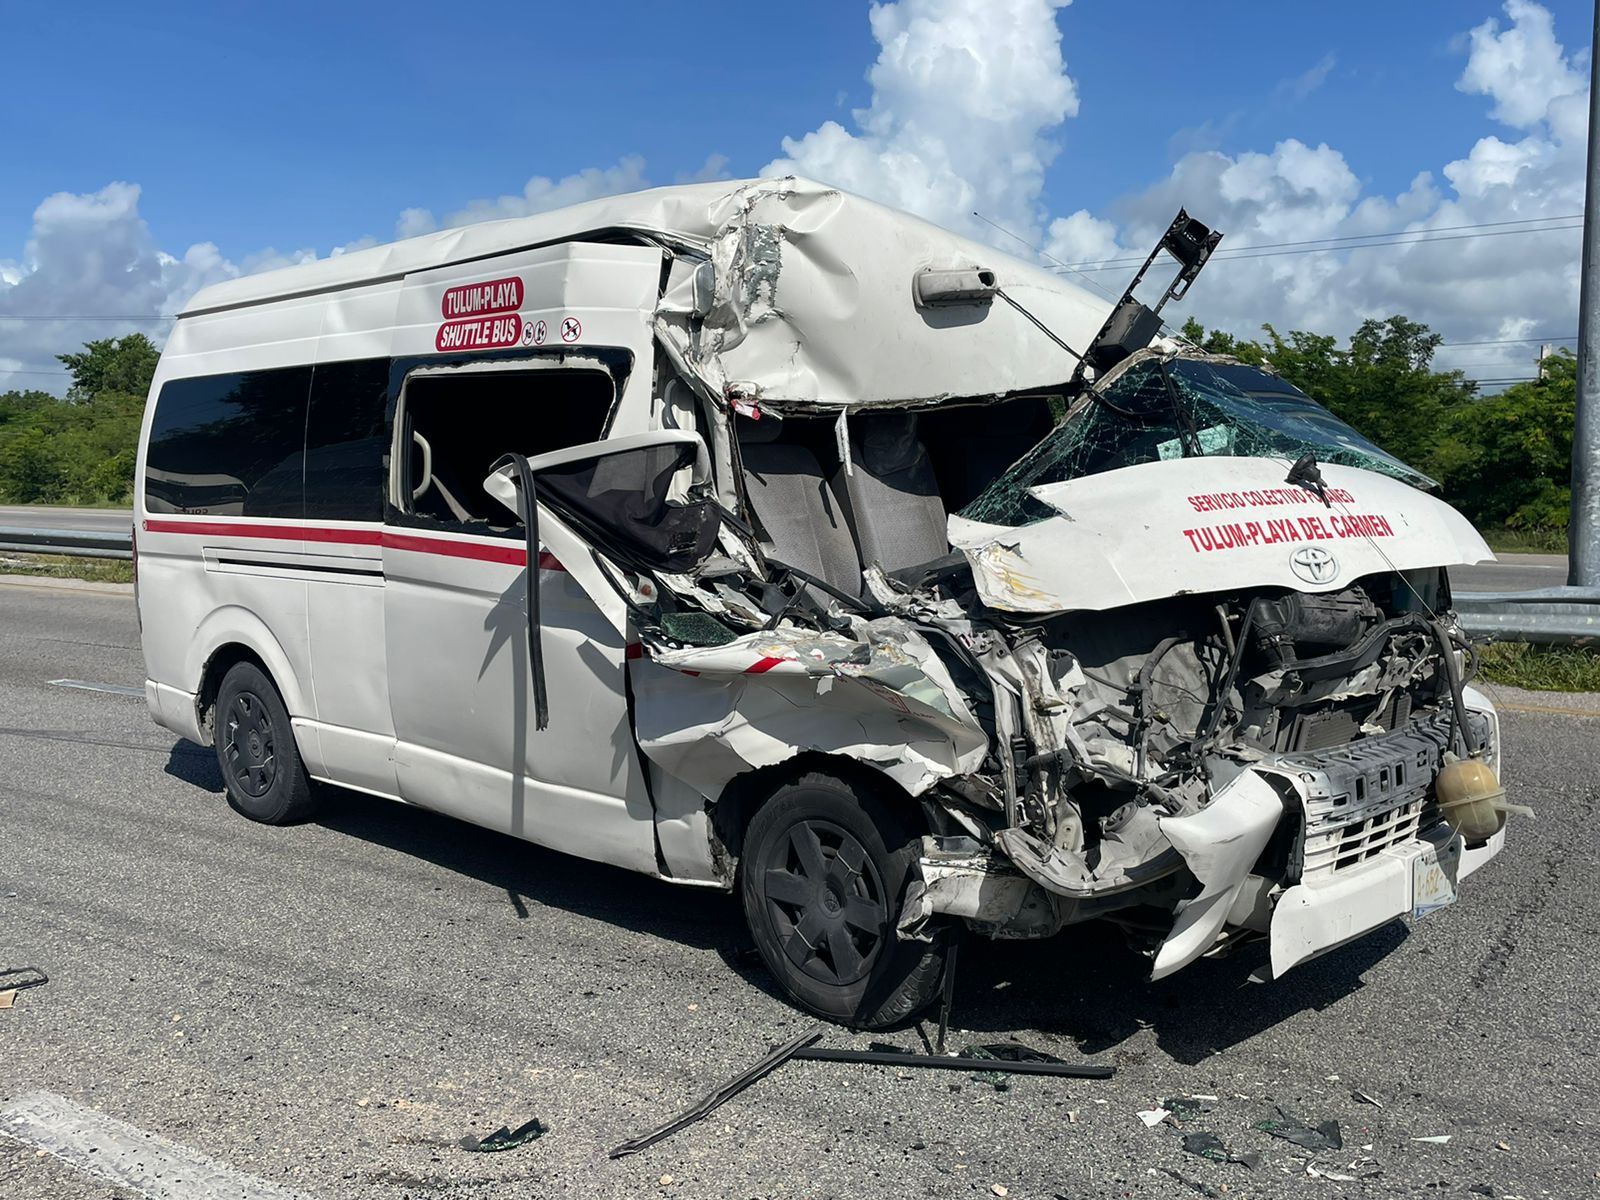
(1180, 408)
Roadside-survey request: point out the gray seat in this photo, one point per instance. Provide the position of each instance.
(895, 507)
(794, 505)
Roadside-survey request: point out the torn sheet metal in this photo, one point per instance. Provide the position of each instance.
(707, 714)
(1220, 844)
(1171, 528)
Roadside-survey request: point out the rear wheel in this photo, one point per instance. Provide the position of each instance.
(261, 767)
(823, 875)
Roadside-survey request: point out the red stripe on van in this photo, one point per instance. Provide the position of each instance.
(763, 664)
(286, 533)
(510, 555)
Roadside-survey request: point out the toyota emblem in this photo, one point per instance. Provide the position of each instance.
(1314, 564)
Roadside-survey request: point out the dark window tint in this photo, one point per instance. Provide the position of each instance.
(468, 420)
(229, 444)
(347, 441)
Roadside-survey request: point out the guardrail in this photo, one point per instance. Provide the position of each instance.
(1558, 616)
(77, 543)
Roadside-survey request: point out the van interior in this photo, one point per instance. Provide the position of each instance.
(908, 470)
(467, 420)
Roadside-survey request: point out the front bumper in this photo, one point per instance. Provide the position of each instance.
(1313, 918)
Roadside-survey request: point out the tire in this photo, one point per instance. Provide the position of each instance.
(822, 878)
(261, 767)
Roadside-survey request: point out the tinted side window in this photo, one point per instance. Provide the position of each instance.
(347, 440)
(229, 444)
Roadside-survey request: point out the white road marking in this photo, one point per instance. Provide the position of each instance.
(127, 1156)
(88, 685)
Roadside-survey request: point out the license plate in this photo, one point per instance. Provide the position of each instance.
(1433, 878)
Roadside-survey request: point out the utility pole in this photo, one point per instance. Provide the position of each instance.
(1583, 533)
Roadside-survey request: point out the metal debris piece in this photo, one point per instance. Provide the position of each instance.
(506, 1138)
(714, 1100)
(1437, 1139)
(16, 979)
(1324, 1136)
(1363, 1098)
(947, 1062)
(1153, 1116)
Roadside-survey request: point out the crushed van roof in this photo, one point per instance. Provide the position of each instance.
(814, 299)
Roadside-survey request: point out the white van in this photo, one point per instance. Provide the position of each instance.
(829, 607)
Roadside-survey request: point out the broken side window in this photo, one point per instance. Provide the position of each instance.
(458, 423)
(1160, 409)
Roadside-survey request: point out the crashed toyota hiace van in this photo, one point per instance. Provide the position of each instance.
(756, 536)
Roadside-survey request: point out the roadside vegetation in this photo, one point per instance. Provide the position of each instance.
(1541, 668)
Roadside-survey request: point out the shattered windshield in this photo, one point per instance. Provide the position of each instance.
(1180, 408)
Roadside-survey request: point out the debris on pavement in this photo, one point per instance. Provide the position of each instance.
(16, 979)
(1317, 1172)
(1153, 1116)
(1324, 1136)
(1363, 1098)
(1188, 1108)
(1210, 1146)
(1437, 1139)
(505, 1138)
(713, 1100)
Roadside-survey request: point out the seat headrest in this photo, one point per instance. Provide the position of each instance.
(768, 428)
(886, 441)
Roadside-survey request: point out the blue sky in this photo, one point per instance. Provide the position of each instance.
(301, 127)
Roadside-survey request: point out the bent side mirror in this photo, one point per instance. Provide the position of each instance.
(645, 500)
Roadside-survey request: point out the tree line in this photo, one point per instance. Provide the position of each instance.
(1502, 459)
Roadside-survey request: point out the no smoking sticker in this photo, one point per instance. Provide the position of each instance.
(571, 329)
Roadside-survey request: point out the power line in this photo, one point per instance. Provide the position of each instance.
(1512, 341)
(1404, 237)
(1350, 237)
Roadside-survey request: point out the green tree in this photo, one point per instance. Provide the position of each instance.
(1506, 460)
(32, 470)
(122, 366)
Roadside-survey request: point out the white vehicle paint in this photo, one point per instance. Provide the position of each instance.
(722, 633)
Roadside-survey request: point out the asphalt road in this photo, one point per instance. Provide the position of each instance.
(329, 1008)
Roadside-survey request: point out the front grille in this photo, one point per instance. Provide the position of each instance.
(1362, 798)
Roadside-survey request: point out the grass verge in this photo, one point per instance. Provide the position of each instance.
(1526, 541)
(1541, 668)
(59, 566)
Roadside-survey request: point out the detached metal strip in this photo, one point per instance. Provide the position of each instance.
(944, 1062)
(126, 1156)
(708, 1104)
(88, 685)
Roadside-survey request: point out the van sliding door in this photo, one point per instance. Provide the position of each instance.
(460, 684)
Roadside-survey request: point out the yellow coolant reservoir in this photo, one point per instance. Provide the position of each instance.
(1471, 799)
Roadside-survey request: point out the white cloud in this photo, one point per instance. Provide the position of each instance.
(1468, 289)
(541, 194)
(90, 255)
(1303, 85)
(964, 94)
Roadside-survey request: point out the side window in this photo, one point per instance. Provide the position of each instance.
(229, 444)
(458, 423)
(347, 441)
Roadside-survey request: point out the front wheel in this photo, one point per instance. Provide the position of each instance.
(822, 878)
(261, 767)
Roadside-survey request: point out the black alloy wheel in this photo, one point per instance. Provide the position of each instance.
(826, 900)
(247, 746)
(823, 874)
(256, 750)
